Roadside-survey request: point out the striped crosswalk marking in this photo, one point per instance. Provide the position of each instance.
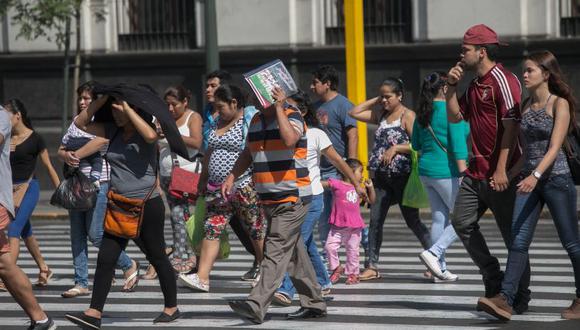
(402, 299)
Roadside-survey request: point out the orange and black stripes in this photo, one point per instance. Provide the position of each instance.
(280, 173)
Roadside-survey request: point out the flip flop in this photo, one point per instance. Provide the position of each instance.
(134, 276)
(75, 292)
(374, 276)
(42, 282)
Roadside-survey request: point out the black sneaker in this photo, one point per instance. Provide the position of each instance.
(253, 274)
(48, 325)
(83, 320)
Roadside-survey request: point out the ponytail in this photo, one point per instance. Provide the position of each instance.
(429, 90)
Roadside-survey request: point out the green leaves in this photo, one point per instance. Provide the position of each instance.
(41, 18)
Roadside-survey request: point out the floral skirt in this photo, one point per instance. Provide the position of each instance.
(243, 203)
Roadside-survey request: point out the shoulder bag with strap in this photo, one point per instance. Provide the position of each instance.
(124, 216)
(183, 183)
(430, 129)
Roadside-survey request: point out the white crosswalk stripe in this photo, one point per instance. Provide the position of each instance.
(401, 299)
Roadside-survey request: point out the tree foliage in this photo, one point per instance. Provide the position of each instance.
(41, 18)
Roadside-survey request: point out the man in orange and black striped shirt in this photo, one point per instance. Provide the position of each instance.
(276, 147)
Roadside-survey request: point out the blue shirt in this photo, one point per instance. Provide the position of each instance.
(334, 121)
(433, 161)
(208, 123)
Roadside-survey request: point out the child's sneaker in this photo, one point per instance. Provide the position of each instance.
(352, 279)
(335, 277)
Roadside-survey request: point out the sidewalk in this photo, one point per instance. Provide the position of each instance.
(45, 211)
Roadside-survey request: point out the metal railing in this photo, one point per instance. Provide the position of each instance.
(155, 24)
(385, 21)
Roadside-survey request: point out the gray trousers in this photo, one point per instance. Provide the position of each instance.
(284, 251)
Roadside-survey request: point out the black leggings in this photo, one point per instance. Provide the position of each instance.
(151, 242)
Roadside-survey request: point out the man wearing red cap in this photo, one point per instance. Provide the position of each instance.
(491, 106)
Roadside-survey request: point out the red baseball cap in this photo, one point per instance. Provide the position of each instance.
(481, 34)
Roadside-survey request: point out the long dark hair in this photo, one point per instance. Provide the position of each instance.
(16, 106)
(556, 83)
(227, 93)
(303, 103)
(432, 83)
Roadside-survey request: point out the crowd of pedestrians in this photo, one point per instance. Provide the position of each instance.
(275, 174)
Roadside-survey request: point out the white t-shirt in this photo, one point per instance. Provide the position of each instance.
(165, 160)
(317, 141)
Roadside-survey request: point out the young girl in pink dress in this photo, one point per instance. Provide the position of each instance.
(346, 223)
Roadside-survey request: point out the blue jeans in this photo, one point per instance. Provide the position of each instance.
(559, 194)
(306, 231)
(323, 225)
(442, 194)
(89, 224)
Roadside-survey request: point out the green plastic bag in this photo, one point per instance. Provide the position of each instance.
(195, 231)
(415, 194)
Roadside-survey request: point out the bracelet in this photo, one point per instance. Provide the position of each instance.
(452, 85)
(461, 174)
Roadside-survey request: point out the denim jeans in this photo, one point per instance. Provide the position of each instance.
(306, 231)
(473, 199)
(389, 191)
(559, 194)
(323, 225)
(442, 194)
(89, 224)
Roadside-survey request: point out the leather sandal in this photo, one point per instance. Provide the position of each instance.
(369, 274)
(43, 280)
(150, 273)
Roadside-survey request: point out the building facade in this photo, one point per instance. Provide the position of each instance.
(160, 42)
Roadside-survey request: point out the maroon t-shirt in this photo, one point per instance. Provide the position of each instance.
(494, 97)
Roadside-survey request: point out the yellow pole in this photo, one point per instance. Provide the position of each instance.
(355, 68)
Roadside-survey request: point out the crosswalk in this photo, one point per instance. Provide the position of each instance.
(401, 299)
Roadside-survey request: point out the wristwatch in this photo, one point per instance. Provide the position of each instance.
(537, 174)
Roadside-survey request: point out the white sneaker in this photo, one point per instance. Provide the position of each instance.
(447, 277)
(192, 281)
(432, 263)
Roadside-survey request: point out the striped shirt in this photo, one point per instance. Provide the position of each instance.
(280, 172)
(74, 132)
(488, 101)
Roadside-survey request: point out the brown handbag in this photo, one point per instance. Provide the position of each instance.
(124, 216)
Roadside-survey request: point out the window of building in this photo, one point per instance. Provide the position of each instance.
(570, 18)
(385, 21)
(155, 25)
